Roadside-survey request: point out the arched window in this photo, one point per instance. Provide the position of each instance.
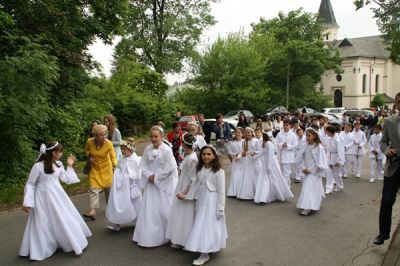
(364, 83)
(377, 84)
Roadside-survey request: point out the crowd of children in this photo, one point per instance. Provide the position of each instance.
(183, 203)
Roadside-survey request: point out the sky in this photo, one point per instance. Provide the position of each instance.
(235, 15)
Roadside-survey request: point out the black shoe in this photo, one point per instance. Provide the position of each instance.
(380, 239)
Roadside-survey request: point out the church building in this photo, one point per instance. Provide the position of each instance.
(367, 69)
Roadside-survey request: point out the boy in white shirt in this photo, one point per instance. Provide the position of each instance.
(376, 156)
(359, 141)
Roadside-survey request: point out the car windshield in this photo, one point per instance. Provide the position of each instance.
(185, 119)
(232, 113)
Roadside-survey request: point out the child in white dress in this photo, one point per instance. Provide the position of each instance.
(209, 232)
(251, 166)
(376, 156)
(125, 195)
(314, 163)
(234, 151)
(159, 170)
(182, 211)
(301, 141)
(271, 184)
(53, 219)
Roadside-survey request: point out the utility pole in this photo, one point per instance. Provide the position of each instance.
(287, 85)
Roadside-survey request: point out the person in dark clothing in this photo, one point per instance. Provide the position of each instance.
(242, 121)
(206, 128)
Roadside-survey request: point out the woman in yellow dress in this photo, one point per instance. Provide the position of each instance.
(101, 152)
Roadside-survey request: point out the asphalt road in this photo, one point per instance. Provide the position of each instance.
(341, 233)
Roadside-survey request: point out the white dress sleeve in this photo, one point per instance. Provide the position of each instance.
(68, 176)
(220, 175)
(29, 191)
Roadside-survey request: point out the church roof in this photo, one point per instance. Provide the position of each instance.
(371, 46)
(326, 14)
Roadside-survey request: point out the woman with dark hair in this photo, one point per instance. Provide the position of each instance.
(114, 135)
(243, 121)
(93, 124)
(53, 219)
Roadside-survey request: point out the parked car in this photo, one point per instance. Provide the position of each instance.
(338, 111)
(332, 118)
(357, 112)
(234, 115)
(185, 120)
(272, 112)
(211, 124)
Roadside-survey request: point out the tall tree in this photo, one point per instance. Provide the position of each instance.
(294, 52)
(66, 28)
(387, 13)
(162, 33)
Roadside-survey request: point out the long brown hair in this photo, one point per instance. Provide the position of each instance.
(112, 124)
(47, 158)
(265, 138)
(215, 164)
(317, 140)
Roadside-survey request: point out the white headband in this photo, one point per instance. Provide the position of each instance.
(184, 141)
(249, 128)
(210, 146)
(158, 128)
(43, 148)
(310, 128)
(132, 147)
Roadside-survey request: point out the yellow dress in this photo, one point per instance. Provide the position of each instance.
(101, 172)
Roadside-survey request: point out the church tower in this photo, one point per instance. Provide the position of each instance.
(326, 15)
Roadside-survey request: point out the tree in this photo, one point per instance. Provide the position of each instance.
(387, 13)
(378, 101)
(65, 28)
(293, 50)
(230, 63)
(162, 33)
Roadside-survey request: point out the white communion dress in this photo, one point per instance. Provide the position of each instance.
(153, 218)
(53, 220)
(125, 196)
(208, 233)
(234, 149)
(312, 191)
(182, 211)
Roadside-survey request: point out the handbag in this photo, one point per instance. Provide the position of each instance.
(87, 167)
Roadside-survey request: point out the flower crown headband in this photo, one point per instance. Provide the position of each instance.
(130, 146)
(43, 149)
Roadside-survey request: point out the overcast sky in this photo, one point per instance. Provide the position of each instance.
(234, 15)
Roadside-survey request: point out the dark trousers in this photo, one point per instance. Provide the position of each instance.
(390, 187)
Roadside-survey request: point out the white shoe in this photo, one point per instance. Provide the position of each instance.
(380, 178)
(358, 176)
(328, 192)
(371, 180)
(337, 189)
(345, 175)
(202, 259)
(305, 212)
(114, 227)
(176, 246)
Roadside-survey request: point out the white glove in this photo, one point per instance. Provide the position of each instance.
(219, 214)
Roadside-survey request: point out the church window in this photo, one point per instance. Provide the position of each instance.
(364, 83)
(377, 84)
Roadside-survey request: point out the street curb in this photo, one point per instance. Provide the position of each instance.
(392, 256)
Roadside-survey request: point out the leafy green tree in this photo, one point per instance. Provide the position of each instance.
(162, 33)
(387, 13)
(230, 63)
(293, 49)
(66, 28)
(378, 101)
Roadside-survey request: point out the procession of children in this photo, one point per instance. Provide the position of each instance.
(177, 195)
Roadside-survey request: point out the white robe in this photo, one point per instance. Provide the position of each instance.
(208, 233)
(182, 211)
(157, 196)
(251, 166)
(312, 191)
(53, 220)
(125, 196)
(199, 143)
(286, 155)
(234, 150)
(271, 184)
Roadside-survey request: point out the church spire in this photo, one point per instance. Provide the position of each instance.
(326, 14)
(327, 17)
